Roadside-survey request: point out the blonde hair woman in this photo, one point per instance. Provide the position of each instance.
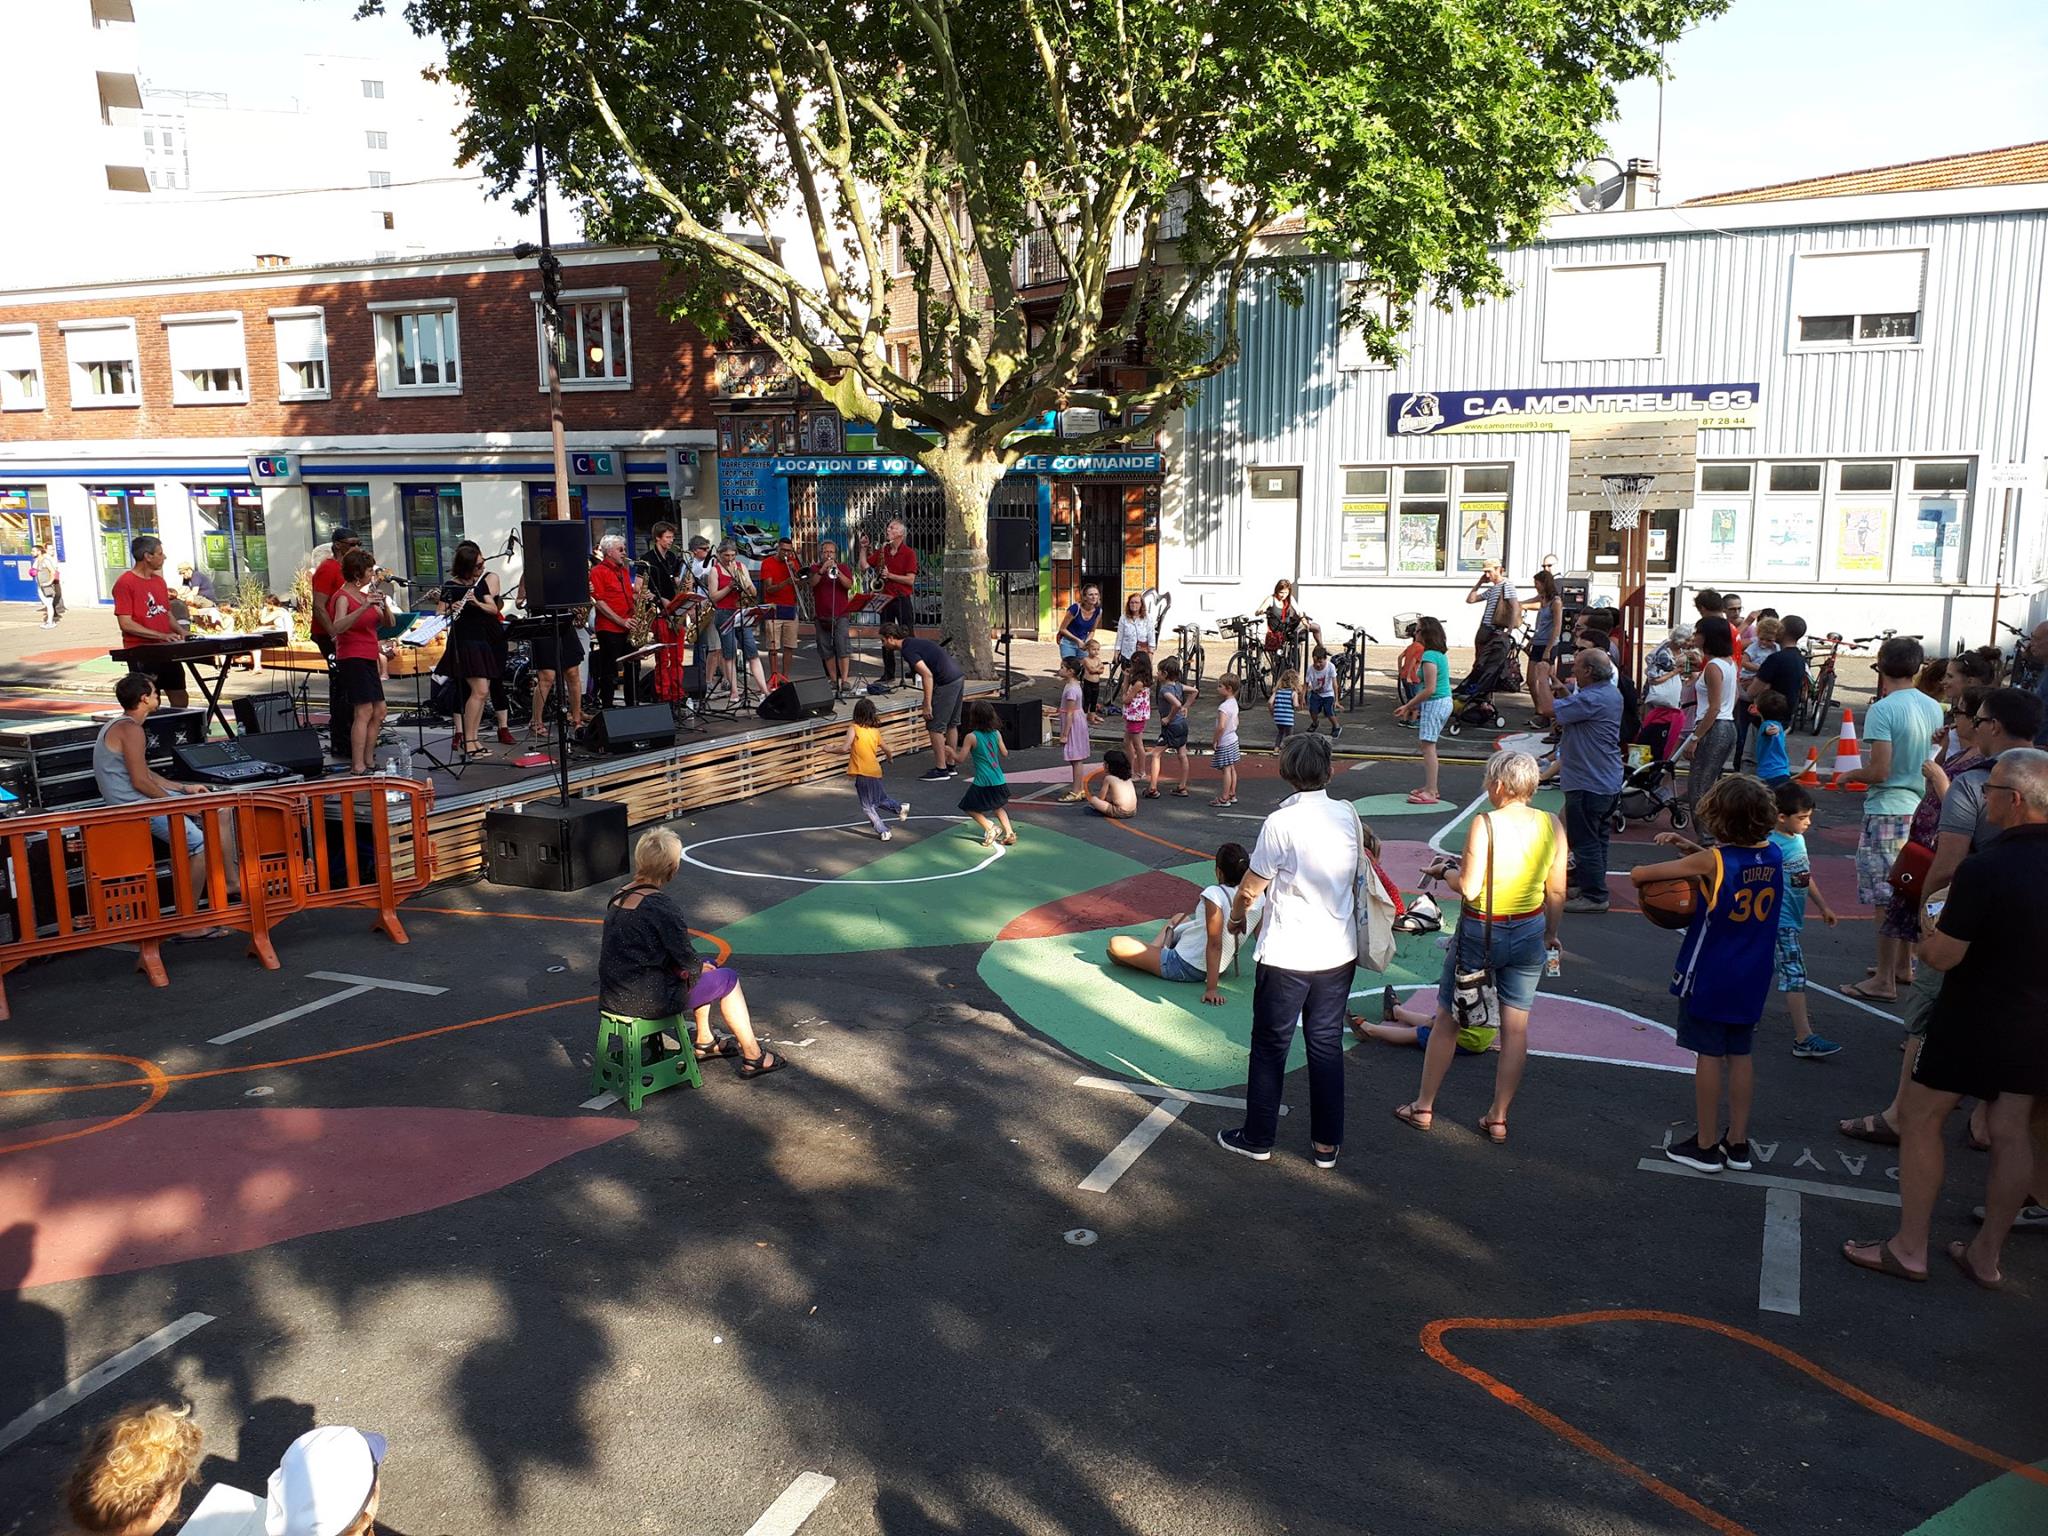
(1511, 880)
(134, 1471)
(647, 967)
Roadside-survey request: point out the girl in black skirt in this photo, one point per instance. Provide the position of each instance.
(548, 665)
(990, 791)
(476, 638)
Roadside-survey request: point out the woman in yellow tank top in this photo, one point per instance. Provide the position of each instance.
(1526, 848)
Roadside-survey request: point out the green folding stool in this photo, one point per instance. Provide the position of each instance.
(632, 1063)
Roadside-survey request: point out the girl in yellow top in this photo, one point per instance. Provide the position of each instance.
(865, 755)
(1512, 868)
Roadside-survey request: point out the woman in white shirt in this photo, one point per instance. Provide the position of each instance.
(1134, 629)
(1198, 945)
(1712, 740)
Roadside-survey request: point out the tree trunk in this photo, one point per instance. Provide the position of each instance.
(968, 480)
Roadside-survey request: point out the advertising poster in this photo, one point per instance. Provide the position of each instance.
(1418, 540)
(1722, 539)
(1482, 533)
(216, 552)
(1788, 542)
(1363, 547)
(1660, 544)
(1860, 530)
(1937, 536)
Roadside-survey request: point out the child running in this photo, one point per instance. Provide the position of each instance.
(1430, 705)
(1119, 797)
(1074, 726)
(1322, 691)
(1173, 726)
(990, 792)
(1286, 701)
(1225, 754)
(1723, 975)
(1136, 704)
(1773, 762)
(865, 755)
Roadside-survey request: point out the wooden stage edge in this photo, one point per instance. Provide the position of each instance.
(693, 775)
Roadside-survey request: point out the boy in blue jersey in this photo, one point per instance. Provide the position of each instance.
(1723, 976)
(1795, 815)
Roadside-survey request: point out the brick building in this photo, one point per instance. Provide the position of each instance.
(241, 416)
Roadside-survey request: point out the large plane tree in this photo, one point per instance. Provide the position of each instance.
(1161, 139)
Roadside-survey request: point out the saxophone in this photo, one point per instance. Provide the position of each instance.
(641, 631)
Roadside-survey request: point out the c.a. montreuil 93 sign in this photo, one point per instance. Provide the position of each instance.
(1431, 413)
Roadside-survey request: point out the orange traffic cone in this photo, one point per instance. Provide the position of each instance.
(1848, 756)
(1811, 777)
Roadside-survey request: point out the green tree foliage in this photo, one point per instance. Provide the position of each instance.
(1159, 138)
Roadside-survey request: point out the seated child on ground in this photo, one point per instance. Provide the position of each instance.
(1110, 791)
(1411, 1026)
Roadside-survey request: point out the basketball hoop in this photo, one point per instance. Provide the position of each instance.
(1625, 495)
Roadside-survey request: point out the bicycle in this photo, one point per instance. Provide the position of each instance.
(1350, 663)
(2021, 670)
(1250, 663)
(1188, 652)
(1820, 693)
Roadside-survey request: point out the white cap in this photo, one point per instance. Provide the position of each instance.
(324, 1482)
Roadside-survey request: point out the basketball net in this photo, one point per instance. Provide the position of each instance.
(1625, 494)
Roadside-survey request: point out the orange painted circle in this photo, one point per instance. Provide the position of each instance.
(153, 1075)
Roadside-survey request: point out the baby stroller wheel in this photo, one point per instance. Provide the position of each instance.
(1681, 813)
(1619, 822)
(1452, 727)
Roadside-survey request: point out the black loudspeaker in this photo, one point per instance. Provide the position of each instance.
(799, 699)
(295, 751)
(1012, 544)
(1022, 722)
(266, 712)
(546, 846)
(634, 728)
(168, 728)
(557, 564)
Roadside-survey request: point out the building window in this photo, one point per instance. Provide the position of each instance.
(433, 527)
(340, 506)
(384, 217)
(1351, 348)
(377, 138)
(208, 362)
(417, 349)
(21, 368)
(596, 350)
(301, 336)
(380, 178)
(1419, 525)
(374, 89)
(1857, 298)
(1794, 478)
(1721, 519)
(103, 367)
(1934, 524)
(1362, 530)
(1593, 313)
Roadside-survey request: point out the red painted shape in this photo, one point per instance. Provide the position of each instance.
(170, 1187)
(1151, 897)
(67, 657)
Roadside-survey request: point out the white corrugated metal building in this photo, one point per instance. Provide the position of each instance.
(1883, 350)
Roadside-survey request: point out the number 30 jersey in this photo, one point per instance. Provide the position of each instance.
(1724, 965)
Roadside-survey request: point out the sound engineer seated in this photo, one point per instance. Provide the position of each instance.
(120, 767)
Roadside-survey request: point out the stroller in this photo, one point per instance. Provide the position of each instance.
(1649, 788)
(1496, 669)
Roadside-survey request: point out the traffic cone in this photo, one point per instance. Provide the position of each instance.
(1811, 777)
(1848, 756)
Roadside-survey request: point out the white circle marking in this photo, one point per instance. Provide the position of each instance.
(850, 878)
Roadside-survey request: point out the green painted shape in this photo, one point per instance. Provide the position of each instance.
(1144, 1027)
(857, 913)
(1374, 807)
(2010, 1505)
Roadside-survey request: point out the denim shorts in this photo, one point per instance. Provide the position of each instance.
(160, 828)
(1173, 968)
(1518, 959)
(1324, 704)
(1711, 1037)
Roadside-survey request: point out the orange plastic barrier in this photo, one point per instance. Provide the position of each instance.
(84, 879)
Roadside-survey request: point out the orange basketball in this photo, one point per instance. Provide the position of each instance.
(1670, 903)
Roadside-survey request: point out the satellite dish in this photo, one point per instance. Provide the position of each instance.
(1600, 185)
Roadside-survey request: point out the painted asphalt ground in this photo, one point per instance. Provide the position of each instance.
(880, 1266)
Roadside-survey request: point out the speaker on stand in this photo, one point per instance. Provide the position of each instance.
(1013, 550)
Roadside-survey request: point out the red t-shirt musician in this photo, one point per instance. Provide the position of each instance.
(611, 585)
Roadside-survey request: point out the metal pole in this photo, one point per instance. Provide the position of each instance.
(1998, 579)
(550, 315)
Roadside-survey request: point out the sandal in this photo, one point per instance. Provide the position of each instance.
(721, 1046)
(1959, 1254)
(1182, 792)
(1231, 801)
(1874, 1129)
(1388, 1002)
(761, 1065)
(1860, 991)
(1496, 1130)
(474, 749)
(1885, 1263)
(1151, 794)
(1074, 797)
(1415, 1119)
(1419, 797)
(1009, 841)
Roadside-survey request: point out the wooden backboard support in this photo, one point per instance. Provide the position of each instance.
(1665, 450)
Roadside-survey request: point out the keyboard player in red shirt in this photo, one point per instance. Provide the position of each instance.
(142, 608)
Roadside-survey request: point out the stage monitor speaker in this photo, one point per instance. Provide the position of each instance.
(168, 728)
(635, 728)
(557, 563)
(295, 751)
(1022, 722)
(266, 712)
(547, 846)
(1012, 544)
(799, 699)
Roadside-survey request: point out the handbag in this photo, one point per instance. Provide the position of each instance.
(1909, 870)
(1669, 694)
(1373, 907)
(1476, 1002)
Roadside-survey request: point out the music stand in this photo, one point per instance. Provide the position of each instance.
(868, 603)
(422, 632)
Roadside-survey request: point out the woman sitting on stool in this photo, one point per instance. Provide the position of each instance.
(648, 969)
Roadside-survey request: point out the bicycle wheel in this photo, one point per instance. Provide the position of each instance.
(1191, 663)
(1823, 704)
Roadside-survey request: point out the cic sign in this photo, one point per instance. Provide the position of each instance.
(597, 466)
(274, 469)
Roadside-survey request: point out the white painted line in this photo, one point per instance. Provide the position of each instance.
(602, 1101)
(110, 1370)
(1436, 842)
(1161, 1091)
(851, 877)
(1772, 1181)
(358, 985)
(1777, 1287)
(795, 1505)
(1132, 1147)
(1854, 1002)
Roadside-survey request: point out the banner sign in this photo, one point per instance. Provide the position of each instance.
(823, 465)
(1431, 414)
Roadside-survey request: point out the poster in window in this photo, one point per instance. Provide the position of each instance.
(1660, 545)
(1860, 529)
(1364, 540)
(1788, 539)
(214, 546)
(1936, 536)
(1482, 533)
(1418, 534)
(1722, 539)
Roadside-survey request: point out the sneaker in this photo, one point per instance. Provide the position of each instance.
(1321, 1158)
(883, 834)
(903, 811)
(1693, 1155)
(1585, 904)
(2032, 1218)
(933, 775)
(1233, 1140)
(1736, 1155)
(1336, 731)
(1814, 1048)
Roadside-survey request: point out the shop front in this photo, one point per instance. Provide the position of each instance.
(26, 526)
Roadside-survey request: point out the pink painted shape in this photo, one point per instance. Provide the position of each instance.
(1571, 1026)
(170, 1187)
(1151, 897)
(1405, 861)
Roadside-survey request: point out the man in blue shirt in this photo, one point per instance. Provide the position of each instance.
(1589, 771)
